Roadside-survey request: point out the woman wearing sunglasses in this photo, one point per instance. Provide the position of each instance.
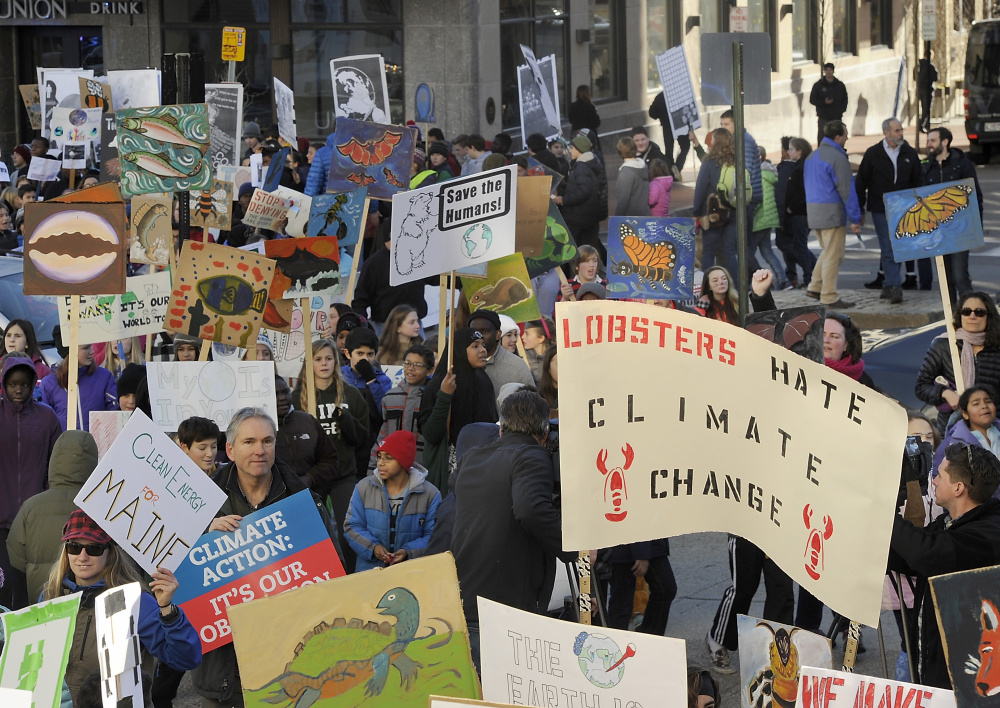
(90, 562)
(977, 328)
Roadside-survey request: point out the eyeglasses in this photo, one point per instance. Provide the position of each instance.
(414, 365)
(93, 549)
(978, 312)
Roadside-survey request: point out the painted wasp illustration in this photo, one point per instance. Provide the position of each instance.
(652, 263)
(777, 686)
(210, 206)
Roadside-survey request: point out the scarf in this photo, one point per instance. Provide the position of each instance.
(971, 339)
(474, 400)
(845, 366)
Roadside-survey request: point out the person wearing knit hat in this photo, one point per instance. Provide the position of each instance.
(493, 161)
(128, 383)
(21, 158)
(581, 143)
(265, 350)
(437, 156)
(420, 177)
(252, 137)
(186, 347)
(246, 189)
(581, 201)
(592, 291)
(501, 365)
(392, 512)
(509, 333)
(303, 145)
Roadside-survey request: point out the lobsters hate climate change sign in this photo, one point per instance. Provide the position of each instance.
(726, 431)
(281, 547)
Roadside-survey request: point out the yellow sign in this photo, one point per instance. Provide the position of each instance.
(233, 43)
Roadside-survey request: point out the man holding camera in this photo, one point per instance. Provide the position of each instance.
(966, 537)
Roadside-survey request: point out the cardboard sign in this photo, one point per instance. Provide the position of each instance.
(213, 207)
(106, 426)
(507, 290)
(759, 642)
(351, 638)
(934, 220)
(220, 293)
(360, 89)
(164, 149)
(266, 210)
(32, 104)
(152, 229)
(95, 93)
(225, 121)
(650, 258)
(149, 496)
(678, 91)
(116, 618)
(532, 209)
(279, 548)
(338, 215)
(558, 247)
(822, 688)
(211, 389)
(537, 169)
(298, 212)
(372, 155)
(74, 248)
(968, 617)
(452, 225)
(305, 266)
(290, 347)
(36, 651)
(756, 447)
(140, 310)
(284, 100)
(528, 659)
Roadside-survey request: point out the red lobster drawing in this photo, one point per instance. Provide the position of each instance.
(614, 483)
(814, 544)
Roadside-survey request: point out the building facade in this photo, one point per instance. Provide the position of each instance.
(468, 52)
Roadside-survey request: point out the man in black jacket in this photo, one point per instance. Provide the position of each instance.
(302, 444)
(658, 111)
(829, 95)
(538, 148)
(967, 537)
(580, 198)
(947, 164)
(886, 167)
(507, 526)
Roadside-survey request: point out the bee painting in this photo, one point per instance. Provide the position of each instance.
(211, 208)
(650, 258)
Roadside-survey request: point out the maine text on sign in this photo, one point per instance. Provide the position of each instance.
(475, 199)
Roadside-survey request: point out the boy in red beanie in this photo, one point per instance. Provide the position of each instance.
(392, 512)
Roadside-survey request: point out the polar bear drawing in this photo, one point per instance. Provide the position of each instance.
(411, 242)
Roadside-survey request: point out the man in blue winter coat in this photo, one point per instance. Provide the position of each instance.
(319, 170)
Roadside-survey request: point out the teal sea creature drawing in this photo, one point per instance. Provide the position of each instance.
(164, 149)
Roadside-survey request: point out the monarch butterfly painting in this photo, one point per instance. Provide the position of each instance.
(653, 263)
(933, 210)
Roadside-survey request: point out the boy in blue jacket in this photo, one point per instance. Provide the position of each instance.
(392, 512)
(360, 372)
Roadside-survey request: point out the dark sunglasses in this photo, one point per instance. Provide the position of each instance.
(94, 550)
(978, 312)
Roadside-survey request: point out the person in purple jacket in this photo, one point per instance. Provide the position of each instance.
(97, 390)
(28, 432)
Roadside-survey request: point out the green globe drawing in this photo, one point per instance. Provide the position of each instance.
(596, 654)
(476, 241)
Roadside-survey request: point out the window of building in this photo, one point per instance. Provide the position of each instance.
(844, 23)
(542, 25)
(763, 18)
(804, 32)
(664, 29)
(711, 18)
(607, 50)
(881, 11)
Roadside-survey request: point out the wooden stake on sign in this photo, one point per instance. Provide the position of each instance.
(851, 650)
(451, 322)
(563, 281)
(251, 354)
(353, 279)
(522, 352)
(310, 374)
(72, 360)
(442, 306)
(72, 185)
(583, 578)
(956, 358)
(206, 347)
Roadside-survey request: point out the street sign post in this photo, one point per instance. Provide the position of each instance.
(234, 47)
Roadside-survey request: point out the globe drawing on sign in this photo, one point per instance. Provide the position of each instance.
(477, 241)
(600, 659)
(217, 381)
(355, 95)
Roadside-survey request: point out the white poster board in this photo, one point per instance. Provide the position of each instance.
(298, 210)
(284, 100)
(58, 87)
(532, 660)
(210, 389)
(290, 349)
(675, 76)
(149, 496)
(15, 698)
(116, 617)
(742, 436)
(44, 170)
(139, 310)
(135, 88)
(458, 223)
(225, 121)
(360, 88)
(547, 96)
(266, 210)
(534, 118)
(823, 688)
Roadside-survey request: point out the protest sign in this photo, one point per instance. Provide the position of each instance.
(95, 93)
(770, 656)
(372, 155)
(507, 290)
(934, 220)
(825, 688)
(448, 226)
(651, 258)
(968, 615)
(37, 646)
(61, 89)
(32, 104)
(338, 215)
(75, 125)
(305, 266)
(532, 209)
(108, 151)
(266, 210)
(43, 169)
(149, 496)
(139, 310)
(443, 702)
(106, 426)
(276, 169)
(237, 175)
(530, 659)
(741, 437)
(210, 389)
(678, 91)
(15, 698)
(298, 211)
(225, 121)
(278, 548)
(289, 347)
(558, 247)
(360, 89)
(4, 173)
(74, 156)
(151, 232)
(213, 207)
(284, 101)
(116, 621)
(797, 329)
(537, 88)
(351, 639)
(135, 88)
(537, 169)
(74, 248)
(164, 149)
(220, 293)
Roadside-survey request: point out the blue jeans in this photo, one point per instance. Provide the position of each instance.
(718, 247)
(761, 240)
(890, 269)
(798, 225)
